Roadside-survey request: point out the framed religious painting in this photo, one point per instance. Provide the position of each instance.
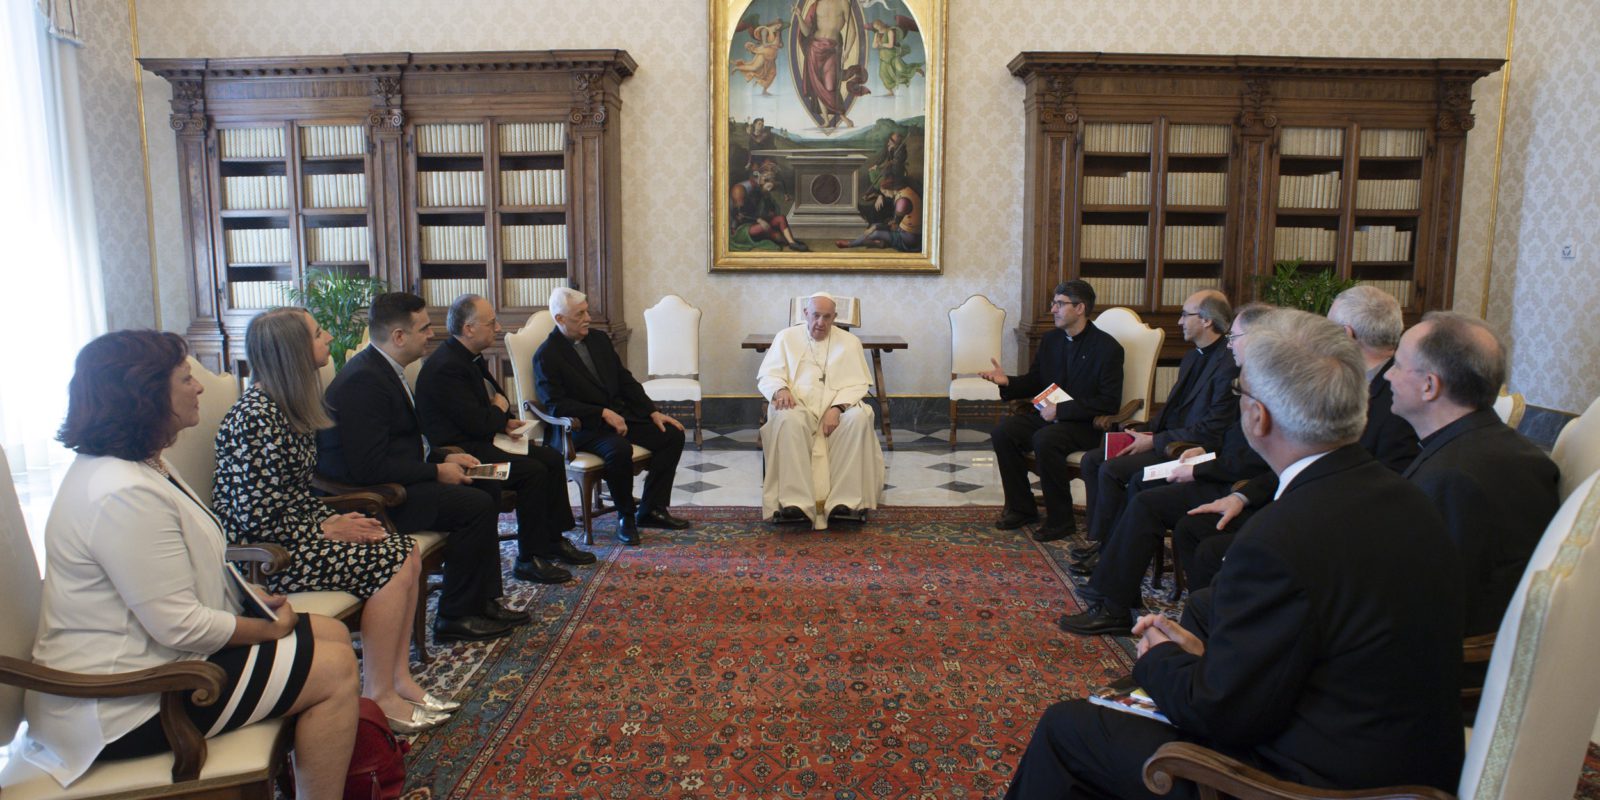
(827, 124)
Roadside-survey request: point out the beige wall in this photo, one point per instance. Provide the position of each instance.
(666, 162)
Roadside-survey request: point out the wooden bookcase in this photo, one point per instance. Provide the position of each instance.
(1153, 176)
(495, 173)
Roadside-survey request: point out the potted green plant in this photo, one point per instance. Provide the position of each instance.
(338, 301)
(1310, 291)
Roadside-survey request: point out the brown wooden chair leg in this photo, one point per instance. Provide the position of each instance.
(953, 417)
(586, 491)
(699, 443)
(419, 623)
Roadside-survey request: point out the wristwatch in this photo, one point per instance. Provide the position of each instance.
(842, 407)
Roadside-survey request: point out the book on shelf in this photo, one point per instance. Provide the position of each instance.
(454, 243)
(534, 242)
(255, 192)
(1127, 189)
(450, 189)
(1400, 289)
(329, 141)
(449, 138)
(257, 245)
(338, 244)
(1199, 140)
(1176, 290)
(1393, 143)
(529, 292)
(1117, 137)
(251, 142)
(1125, 695)
(1404, 194)
(1117, 291)
(1309, 191)
(1315, 142)
(1192, 242)
(533, 187)
(533, 137)
(260, 294)
(345, 190)
(1115, 242)
(1197, 188)
(1380, 243)
(1166, 378)
(1305, 244)
(442, 292)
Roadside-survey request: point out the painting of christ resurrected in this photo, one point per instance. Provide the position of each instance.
(827, 132)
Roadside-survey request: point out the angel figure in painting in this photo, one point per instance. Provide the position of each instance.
(889, 41)
(761, 67)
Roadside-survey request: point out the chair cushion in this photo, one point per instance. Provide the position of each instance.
(590, 461)
(230, 758)
(427, 541)
(328, 604)
(673, 390)
(974, 389)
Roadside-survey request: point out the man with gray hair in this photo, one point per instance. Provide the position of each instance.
(1372, 317)
(1495, 489)
(1328, 651)
(577, 374)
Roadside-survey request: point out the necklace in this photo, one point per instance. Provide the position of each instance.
(155, 464)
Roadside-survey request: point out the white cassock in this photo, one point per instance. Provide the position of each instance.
(805, 469)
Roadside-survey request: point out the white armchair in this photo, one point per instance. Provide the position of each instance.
(976, 328)
(194, 452)
(672, 340)
(1577, 450)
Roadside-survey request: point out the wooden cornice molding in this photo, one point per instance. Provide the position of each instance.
(616, 62)
(1030, 63)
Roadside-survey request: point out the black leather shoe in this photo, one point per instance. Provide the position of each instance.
(1083, 551)
(1084, 567)
(659, 518)
(567, 553)
(788, 514)
(628, 531)
(500, 613)
(469, 629)
(845, 513)
(538, 570)
(1011, 520)
(1043, 534)
(1097, 621)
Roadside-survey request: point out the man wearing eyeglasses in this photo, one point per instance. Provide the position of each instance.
(1086, 363)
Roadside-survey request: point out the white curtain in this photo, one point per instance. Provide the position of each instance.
(50, 274)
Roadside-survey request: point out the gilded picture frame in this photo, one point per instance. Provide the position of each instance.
(827, 135)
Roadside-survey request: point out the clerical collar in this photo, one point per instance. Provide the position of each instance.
(1071, 338)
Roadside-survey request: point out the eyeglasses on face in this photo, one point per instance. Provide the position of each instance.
(1237, 387)
(1187, 313)
(1055, 304)
(1231, 335)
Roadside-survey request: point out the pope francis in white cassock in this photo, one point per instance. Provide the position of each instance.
(820, 440)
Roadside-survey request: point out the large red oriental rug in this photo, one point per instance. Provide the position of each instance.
(909, 657)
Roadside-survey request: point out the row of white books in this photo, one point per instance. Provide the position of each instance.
(325, 141)
(533, 242)
(1176, 290)
(336, 191)
(1311, 142)
(1380, 243)
(1306, 244)
(1309, 191)
(532, 137)
(339, 244)
(251, 142)
(1117, 291)
(1393, 143)
(1166, 378)
(1400, 289)
(1120, 242)
(450, 189)
(1402, 194)
(255, 192)
(449, 138)
(533, 187)
(1205, 140)
(1127, 189)
(444, 291)
(258, 245)
(529, 292)
(454, 243)
(1116, 137)
(1192, 242)
(1197, 188)
(261, 294)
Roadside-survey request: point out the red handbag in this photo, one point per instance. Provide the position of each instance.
(377, 764)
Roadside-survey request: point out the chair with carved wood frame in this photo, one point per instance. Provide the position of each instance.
(976, 328)
(584, 469)
(1510, 408)
(672, 345)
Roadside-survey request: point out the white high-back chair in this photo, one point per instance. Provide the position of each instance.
(1141, 346)
(1577, 450)
(976, 329)
(672, 347)
(194, 453)
(1510, 408)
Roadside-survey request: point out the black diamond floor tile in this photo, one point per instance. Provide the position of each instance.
(698, 486)
(960, 486)
(948, 467)
(705, 467)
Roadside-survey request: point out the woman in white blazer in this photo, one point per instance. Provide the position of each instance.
(135, 578)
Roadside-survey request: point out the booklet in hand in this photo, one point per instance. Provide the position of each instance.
(255, 604)
(1052, 393)
(493, 472)
(1125, 695)
(1164, 470)
(1116, 442)
(518, 446)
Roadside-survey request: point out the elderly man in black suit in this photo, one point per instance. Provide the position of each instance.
(1496, 490)
(462, 405)
(577, 374)
(1330, 650)
(1086, 363)
(377, 438)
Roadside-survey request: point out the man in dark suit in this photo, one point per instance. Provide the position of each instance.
(1496, 490)
(577, 374)
(1086, 363)
(377, 438)
(1199, 409)
(462, 405)
(1330, 652)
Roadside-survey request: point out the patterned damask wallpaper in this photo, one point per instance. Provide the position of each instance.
(666, 161)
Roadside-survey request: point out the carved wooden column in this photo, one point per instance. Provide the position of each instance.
(386, 147)
(594, 171)
(1449, 159)
(1049, 237)
(190, 126)
(1256, 125)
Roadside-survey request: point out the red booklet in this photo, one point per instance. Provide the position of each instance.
(1116, 442)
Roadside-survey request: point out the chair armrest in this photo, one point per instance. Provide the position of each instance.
(201, 680)
(392, 494)
(1205, 767)
(1111, 421)
(360, 502)
(1175, 449)
(566, 425)
(1477, 649)
(263, 558)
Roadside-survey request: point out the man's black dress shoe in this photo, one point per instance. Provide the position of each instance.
(500, 613)
(628, 531)
(788, 514)
(567, 553)
(1043, 534)
(1084, 567)
(538, 570)
(1083, 551)
(1011, 520)
(659, 518)
(1097, 621)
(469, 629)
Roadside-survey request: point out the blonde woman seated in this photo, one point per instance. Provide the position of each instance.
(134, 578)
(266, 451)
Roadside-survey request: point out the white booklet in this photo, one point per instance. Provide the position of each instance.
(255, 605)
(1164, 470)
(493, 472)
(518, 446)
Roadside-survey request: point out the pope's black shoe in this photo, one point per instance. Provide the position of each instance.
(1098, 621)
(567, 553)
(628, 531)
(788, 514)
(538, 570)
(1011, 520)
(469, 629)
(659, 518)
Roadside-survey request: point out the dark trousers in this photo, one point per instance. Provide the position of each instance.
(1138, 534)
(665, 446)
(1106, 486)
(469, 518)
(1081, 750)
(1050, 442)
(544, 511)
(1198, 546)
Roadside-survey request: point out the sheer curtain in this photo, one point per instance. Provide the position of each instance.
(50, 278)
